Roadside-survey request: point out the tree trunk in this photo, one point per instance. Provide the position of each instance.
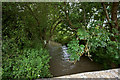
(114, 14)
(114, 17)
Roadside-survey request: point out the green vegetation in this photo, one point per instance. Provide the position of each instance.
(24, 55)
(98, 45)
(90, 29)
(32, 64)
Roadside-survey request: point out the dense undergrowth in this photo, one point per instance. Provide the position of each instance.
(99, 44)
(32, 64)
(25, 62)
(23, 53)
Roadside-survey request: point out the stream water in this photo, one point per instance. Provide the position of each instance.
(59, 64)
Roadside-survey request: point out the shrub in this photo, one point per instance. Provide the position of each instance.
(32, 64)
(99, 43)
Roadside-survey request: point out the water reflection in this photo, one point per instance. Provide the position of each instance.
(59, 64)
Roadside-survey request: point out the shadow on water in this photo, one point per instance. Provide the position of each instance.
(59, 64)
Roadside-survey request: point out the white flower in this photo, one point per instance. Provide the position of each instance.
(38, 75)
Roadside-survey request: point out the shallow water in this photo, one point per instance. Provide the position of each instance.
(59, 64)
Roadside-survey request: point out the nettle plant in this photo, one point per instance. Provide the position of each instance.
(33, 64)
(98, 45)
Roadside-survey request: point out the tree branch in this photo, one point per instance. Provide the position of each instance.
(32, 13)
(53, 24)
(67, 17)
(56, 25)
(106, 13)
(114, 14)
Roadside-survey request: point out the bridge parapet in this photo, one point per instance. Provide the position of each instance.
(111, 73)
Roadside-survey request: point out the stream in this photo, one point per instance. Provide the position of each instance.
(59, 64)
